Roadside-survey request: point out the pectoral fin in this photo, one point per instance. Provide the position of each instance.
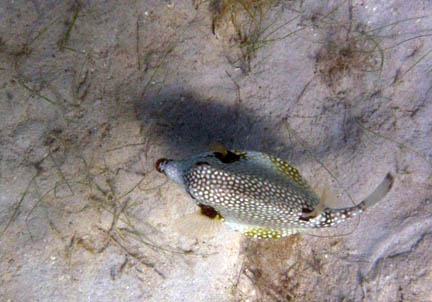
(205, 222)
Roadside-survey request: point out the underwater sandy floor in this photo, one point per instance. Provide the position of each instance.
(92, 93)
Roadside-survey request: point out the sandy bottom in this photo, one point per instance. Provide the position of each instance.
(92, 93)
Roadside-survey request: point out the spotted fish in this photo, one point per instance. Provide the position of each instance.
(258, 194)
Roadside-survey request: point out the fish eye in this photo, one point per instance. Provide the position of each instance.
(160, 164)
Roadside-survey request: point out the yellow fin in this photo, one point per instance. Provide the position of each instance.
(285, 169)
(264, 233)
(197, 225)
(260, 232)
(219, 148)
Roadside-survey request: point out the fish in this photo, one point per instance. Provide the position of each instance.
(257, 194)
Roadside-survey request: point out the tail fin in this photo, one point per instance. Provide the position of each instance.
(331, 217)
(379, 193)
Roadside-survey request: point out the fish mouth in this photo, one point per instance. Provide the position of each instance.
(161, 164)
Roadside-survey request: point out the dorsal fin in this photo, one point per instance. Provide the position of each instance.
(324, 202)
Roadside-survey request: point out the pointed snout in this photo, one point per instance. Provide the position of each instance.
(173, 169)
(160, 165)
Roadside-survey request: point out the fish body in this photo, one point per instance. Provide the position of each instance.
(258, 194)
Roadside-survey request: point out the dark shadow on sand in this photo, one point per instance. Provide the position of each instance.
(187, 124)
